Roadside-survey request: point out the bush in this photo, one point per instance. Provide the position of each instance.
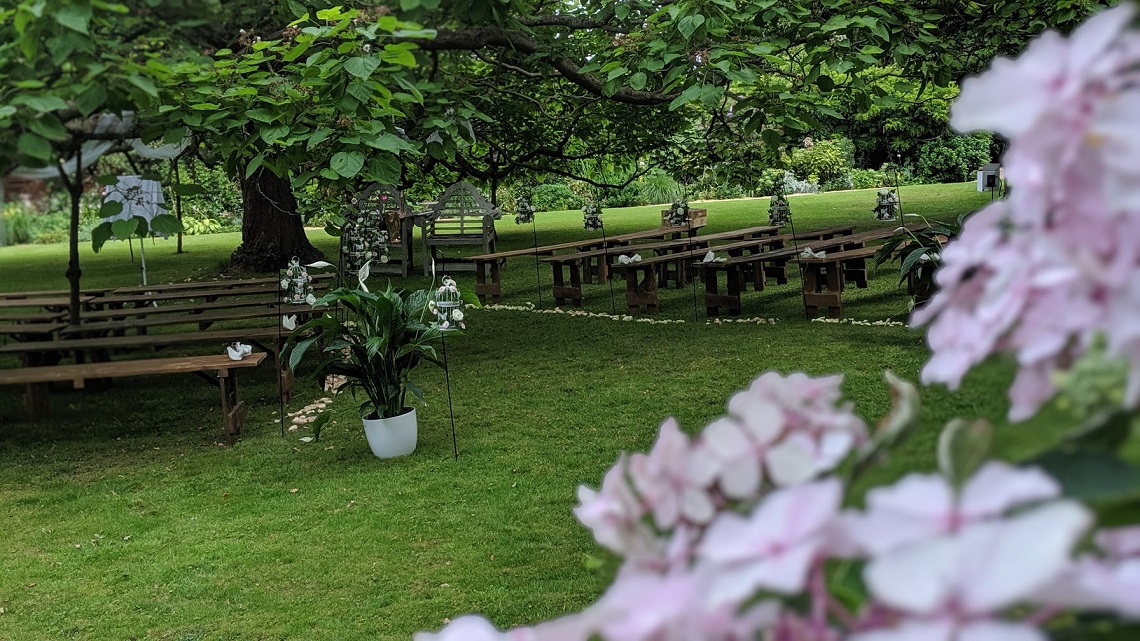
(824, 161)
(659, 188)
(846, 181)
(952, 157)
(628, 196)
(199, 225)
(868, 179)
(18, 221)
(793, 185)
(770, 182)
(554, 197)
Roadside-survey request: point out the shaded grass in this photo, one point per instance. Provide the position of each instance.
(122, 518)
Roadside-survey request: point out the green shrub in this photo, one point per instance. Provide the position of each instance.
(839, 183)
(18, 221)
(953, 157)
(658, 188)
(771, 182)
(868, 179)
(554, 197)
(628, 196)
(199, 225)
(824, 161)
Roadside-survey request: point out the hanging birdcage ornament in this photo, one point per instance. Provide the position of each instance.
(297, 284)
(383, 247)
(592, 216)
(447, 305)
(779, 212)
(887, 207)
(525, 210)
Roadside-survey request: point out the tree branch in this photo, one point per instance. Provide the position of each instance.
(477, 38)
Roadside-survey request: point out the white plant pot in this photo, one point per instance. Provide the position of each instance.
(389, 437)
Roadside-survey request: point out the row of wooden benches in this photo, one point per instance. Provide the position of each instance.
(110, 318)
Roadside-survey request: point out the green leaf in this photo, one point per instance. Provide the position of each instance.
(110, 209)
(100, 235)
(637, 81)
(34, 146)
(254, 164)
(689, 25)
(74, 16)
(261, 115)
(1092, 476)
(144, 83)
(361, 67)
(124, 229)
(347, 163)
(275, 133)
(48, 126)
(91, 100)
(41, 102)
(621, 11)
(319, 135)
(165, 224)
(962, 448)
(189, 189)
(107, 179)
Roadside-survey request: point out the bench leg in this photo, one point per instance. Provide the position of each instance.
(736, 288)
(559, 284)
(576, 281)
(496, 286)
(712, 294)
(36, 401)
(233, 408)
(643, 293)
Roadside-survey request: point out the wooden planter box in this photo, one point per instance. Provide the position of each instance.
(697, 217)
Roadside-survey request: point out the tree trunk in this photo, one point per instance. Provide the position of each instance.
(75, 190)
(271, 229)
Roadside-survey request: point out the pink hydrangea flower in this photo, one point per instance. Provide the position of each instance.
(666, 482)
(952, 587)
(615, 515)
(774, 547)
(652, 607)
(1041, 275)
(790, 429)
(1109, 582)
(922, 506)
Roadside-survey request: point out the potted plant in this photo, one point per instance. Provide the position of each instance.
(375, 345)
(920, 253)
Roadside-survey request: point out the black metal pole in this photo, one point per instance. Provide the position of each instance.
(537, 271)
(606, 257)
(692, 268)
(898, 195)
(280, 371)
(450, 407)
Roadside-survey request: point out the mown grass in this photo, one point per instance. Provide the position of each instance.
(121, 517)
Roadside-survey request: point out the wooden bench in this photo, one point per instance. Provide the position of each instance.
(225, 377)
(202, 320)
(824, 279)
(461, 218)
(641, 279)
(576, 264)
(758, 265)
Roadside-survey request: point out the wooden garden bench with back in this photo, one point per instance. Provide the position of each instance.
(461, 218)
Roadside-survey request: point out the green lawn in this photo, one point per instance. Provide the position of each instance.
(121, 518)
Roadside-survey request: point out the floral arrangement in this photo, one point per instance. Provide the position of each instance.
(678, 214)
(525, 210)
(592, 216)
(447, 305)
(751, 529)
(887, 206)
(383, 248)
(779, 212)
(297, 283)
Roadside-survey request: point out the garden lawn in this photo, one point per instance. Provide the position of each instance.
(122, 517)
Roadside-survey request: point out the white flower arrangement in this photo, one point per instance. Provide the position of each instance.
(446, 305)
(887, 206)
(861, 323)
(525, 209)
(678, 214)
(592, 216)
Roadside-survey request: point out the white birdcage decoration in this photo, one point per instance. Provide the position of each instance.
(447, 305)
(592, 217)
(887, 207)
(525, 210)
(297, 284)
(779, 212)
